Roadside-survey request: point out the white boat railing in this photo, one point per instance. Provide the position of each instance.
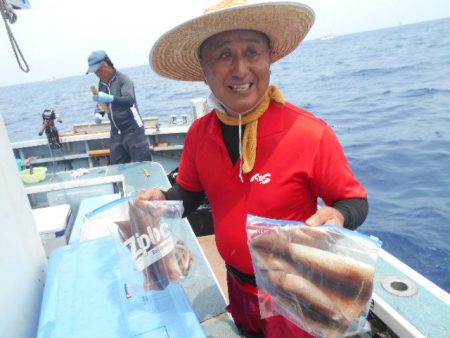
(116, 179)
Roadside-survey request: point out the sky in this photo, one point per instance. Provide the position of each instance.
(56, 36)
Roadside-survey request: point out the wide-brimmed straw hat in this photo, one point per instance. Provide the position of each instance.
(175, 54)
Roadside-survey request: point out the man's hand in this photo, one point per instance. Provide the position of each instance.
(326, 215)
(152, 194)
(103, 97)
(98, 118)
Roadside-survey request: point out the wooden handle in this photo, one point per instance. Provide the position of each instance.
(104, 106)
(94, 89)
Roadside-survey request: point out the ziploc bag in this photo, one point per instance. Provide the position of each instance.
(153, 232)
(320, 278)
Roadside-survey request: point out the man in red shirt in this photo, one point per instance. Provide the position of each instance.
(254, 153)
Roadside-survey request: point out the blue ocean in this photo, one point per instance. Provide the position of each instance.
(385, 92)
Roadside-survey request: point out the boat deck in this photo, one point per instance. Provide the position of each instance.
(408, 303)
(90, 148)
(423, 313)
(208, 244)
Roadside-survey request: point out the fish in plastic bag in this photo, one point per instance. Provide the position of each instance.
(320, 278)
(162, 258)
(152, 231)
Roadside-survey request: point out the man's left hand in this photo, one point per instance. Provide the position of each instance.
(326, 215)
(103, 97)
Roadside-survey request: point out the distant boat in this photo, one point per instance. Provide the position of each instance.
(327, 37)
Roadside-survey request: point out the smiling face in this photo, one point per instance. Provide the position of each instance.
(236, 65)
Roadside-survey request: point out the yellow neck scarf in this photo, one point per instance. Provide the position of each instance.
(249, 142)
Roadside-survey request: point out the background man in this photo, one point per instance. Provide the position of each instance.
(128, 141)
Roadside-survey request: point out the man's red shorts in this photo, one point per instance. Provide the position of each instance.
(245, 311)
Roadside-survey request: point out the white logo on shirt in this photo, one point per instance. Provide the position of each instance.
(261, 179)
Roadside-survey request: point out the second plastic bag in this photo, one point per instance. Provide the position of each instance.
(320, 278)
(153, 232)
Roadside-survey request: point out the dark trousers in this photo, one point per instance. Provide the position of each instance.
(244, 308)
(129, 146)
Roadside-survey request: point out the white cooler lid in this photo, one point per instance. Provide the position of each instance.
(51, 219)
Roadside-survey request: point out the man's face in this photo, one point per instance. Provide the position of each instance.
(103, 72)
(236, 65)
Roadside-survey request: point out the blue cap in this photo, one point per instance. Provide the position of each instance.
(95, 60)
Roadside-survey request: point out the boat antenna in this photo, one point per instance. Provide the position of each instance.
(9, 16)
(58, 102)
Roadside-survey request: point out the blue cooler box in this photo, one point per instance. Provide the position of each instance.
(92, 290)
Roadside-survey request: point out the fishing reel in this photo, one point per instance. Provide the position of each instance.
(48, 122)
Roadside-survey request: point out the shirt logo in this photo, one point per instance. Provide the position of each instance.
(261, 179)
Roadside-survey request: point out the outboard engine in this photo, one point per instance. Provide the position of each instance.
(48, 121)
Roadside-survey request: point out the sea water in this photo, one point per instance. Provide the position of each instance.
(386, 93)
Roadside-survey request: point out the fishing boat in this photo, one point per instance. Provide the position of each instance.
(404, 303)
(40, 246)
(87, 145)
(329, 36)
(47, 217)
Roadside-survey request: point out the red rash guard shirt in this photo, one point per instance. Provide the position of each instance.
(298, 159)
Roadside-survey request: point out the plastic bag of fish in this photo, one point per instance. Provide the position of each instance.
(153, 232)
(320, 278)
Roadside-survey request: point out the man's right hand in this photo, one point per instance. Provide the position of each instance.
(152, 194)
(98, 118)
(103, 97)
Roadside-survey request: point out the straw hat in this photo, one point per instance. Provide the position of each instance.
(175, 54)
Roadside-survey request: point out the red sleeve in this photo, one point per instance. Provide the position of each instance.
(332, 176)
